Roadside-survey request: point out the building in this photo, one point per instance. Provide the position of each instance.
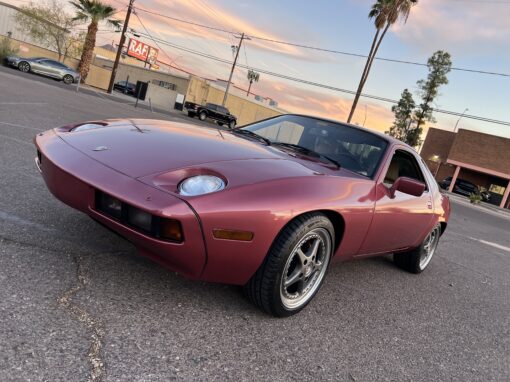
(8, 25)
(482, 159)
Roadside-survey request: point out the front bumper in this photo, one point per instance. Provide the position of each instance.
(73, 178)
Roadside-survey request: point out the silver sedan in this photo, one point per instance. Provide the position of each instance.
(46, 67)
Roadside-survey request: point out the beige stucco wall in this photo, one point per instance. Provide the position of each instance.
(161, 97)
(246, 110)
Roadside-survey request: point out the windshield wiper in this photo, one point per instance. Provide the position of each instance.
(307, 151)
(249, 133)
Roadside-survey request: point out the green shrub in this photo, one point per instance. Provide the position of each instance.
(475, 198)
(6, 49)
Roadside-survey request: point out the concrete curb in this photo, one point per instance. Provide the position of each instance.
(484, 206)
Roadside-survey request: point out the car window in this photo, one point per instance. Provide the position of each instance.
(210, 106)
(355, 149)
(403, 163)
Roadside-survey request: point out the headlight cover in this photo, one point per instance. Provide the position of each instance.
(201, 184)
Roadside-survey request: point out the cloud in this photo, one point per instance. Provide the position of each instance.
(460, 28)
(298, 99)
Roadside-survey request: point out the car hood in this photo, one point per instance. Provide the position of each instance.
(138, 148)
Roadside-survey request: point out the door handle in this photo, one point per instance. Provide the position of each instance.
(429, 204)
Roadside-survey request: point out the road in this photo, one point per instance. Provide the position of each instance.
(77, 303)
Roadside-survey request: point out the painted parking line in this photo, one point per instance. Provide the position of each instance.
(495, 245)
(22, 126)
(489, 243)
(23, 103)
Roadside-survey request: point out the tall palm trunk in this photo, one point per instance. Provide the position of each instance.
(361, 81)
(88, 50)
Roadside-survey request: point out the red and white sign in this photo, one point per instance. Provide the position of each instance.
(142, 51)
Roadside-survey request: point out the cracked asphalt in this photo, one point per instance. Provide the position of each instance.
(78, 304)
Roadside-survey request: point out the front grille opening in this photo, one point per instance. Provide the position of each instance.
(138, 219)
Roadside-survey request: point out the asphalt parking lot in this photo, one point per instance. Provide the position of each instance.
(77, 303)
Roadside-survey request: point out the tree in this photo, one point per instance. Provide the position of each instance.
(403, 118)
(6, 49)
(49, 24)
(93, 11)
(385, 13)
(409, 118)
(252, 76)
(439, 64)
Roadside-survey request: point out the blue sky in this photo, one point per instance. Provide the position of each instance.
(476, 33)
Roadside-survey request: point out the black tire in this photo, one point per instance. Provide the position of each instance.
(232, 124)
(68, 79)
(265, 288)
(417, 260)
(202, 115)
(24, 67)
(191, 114)
(219, 123)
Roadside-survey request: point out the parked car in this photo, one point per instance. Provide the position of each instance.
(125, 87)
(217, 112)
(268, 206)
(46, 67)
(466, 188)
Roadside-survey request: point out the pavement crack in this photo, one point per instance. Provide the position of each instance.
(93, 324)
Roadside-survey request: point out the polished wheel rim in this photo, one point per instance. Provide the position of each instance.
(305, 268)
(24, 67)
(68, 79)
(429, 248)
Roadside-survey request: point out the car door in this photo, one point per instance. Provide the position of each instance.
(403, 220)
(47, 67)
(223, 114)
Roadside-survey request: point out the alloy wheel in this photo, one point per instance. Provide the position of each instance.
(305, 268)
(429, 247)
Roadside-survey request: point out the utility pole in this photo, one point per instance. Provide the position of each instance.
(232, 70)
(121, 45)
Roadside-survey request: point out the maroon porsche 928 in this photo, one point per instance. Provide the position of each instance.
(268, 206)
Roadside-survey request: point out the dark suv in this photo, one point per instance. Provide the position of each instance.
(217, 112)
(464, 187)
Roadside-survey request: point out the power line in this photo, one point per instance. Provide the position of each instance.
(321, 49)
(324, 86)
(155, 42)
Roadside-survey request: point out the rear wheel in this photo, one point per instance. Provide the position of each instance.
(202, 116)
(294, 268)
(232, 124)
(24, 66)
(68, 79)
(416, 260)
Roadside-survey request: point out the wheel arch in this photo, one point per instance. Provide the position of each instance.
(334, 217)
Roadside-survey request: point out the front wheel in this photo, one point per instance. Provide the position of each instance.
(416, 260)
(232, 124)
(294, 268)
(202, 116)
(68, 79)
(24, 66)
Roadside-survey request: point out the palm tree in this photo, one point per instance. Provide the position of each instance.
(94, 11)
(385, 13)
(252, 76)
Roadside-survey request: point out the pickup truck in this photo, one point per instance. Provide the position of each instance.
(217, 112)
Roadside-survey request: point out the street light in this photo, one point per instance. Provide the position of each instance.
(457, 124)
(436, 159)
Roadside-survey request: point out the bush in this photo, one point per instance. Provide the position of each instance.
(6, 49)
(475, 198)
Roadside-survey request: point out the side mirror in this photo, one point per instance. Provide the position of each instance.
(407, 186)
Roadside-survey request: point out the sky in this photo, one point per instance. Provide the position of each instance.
(475, 32)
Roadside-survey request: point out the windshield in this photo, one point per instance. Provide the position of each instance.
(354, 149)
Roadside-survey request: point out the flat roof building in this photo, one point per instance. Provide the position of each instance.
(479, 158)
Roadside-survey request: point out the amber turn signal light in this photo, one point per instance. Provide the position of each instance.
(228, 234)
(170, 229)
